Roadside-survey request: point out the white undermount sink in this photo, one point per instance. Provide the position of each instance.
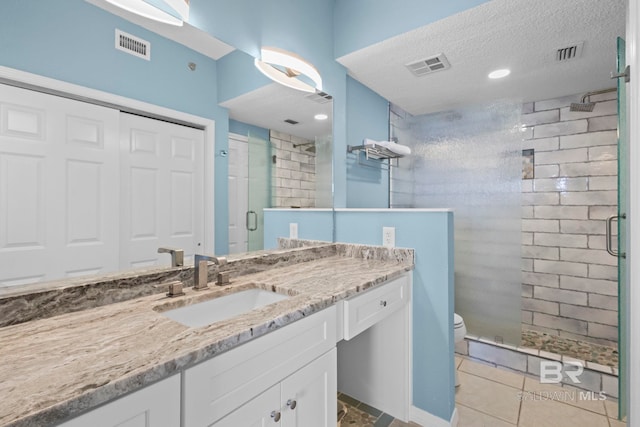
(222, 308)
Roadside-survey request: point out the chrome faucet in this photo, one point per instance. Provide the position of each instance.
(177, 255)
(201, 271)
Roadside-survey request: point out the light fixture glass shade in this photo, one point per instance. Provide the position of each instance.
(152, 10)
(272, 58)
(498, 74)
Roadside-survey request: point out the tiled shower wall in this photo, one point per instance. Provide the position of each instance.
(569, 280)
(293, 174)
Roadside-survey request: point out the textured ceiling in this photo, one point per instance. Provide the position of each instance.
(521, 35)
(270, 105)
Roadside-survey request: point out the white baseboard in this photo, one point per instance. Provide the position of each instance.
(426, 419)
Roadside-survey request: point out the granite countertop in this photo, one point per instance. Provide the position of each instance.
(58, 367)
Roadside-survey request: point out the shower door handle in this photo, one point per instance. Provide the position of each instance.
(247, 216)
(609, 235)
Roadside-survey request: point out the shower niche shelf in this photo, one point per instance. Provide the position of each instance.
(374, 152)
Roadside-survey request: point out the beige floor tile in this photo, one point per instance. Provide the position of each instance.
(570, 395)
(612, 408)
(495, 374)
(458, 361)
(548, 413)
(497, 400)
(468, 417)
(616, 423)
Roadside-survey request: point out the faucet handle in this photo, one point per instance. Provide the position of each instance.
(177, 255)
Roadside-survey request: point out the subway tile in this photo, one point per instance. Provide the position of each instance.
(502, 357)
(571, 226)
(599, 286)
(541, 252)
(550, 356)
(549, 104)
(599, 368)
(300, 158)
(605, 152)
(603, 301)
(561, 184)
(527, 107)
(555, 322)
(541, 225)
(588, 380)
(561, 212)
(307, 185)
(598, 242)
(602, 212)
(274, 134)
(547, 171)
(605, 108)
(603, 183)
(602, 123)
(590, 314)
(526, 133)
(607, 332)
(533, 365)
(576, 155)
(590, 139)
(564, 128)
(527, 238)
(540, 117)
(299, 140)
(544, 144)
(610, 385)
(560, 240)
(589, 198)
(604, 96)
(526, 264)
(283, 173)
(607, 167)
(560, 267)
(526, 317)
(527, 212)
(560, 296)
(551, 198)
(527, 185)
(590, 256)
(540, 306)
(541, 279)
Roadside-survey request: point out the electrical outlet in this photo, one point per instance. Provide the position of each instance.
(293, 230)
(389, 236)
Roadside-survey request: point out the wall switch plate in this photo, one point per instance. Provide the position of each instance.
(293, 230)
(388, 236)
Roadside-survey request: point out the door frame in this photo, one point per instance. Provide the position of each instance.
(109, 98)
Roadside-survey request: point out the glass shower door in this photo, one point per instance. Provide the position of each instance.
(623, 198)
(259, 190)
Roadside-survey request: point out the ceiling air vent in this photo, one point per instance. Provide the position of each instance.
(133, 45)
(429, 65)
(291, 122)
(569, 52)
(319, 97)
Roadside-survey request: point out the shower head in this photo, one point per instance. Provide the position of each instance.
(588, 107)
(311, 146)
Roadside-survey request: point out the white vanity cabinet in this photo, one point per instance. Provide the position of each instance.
(246, 384)
(300, 400)
(157, 405)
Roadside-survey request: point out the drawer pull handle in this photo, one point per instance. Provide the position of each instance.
(383, 303)
(292, 404)
(275, 415)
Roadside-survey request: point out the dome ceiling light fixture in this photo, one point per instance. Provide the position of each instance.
(172, 12)
(286, 68)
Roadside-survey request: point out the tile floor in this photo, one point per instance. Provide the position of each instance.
(494, 397)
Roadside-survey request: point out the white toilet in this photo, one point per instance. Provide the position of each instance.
(459, 331)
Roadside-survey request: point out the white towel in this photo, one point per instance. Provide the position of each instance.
(394, 147)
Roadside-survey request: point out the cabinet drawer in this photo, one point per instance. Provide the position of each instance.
(363, 311)
(216, 387)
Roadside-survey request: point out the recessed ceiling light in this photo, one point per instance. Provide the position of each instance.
(321, 117)
(498, 74)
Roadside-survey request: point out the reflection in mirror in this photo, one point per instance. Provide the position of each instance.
(289, 157)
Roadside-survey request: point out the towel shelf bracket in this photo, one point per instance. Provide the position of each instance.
(374, 152)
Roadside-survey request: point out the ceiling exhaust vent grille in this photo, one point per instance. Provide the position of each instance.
(291, 122)
(319, 97)
(429, 65)
(133, 45)
(569, 52)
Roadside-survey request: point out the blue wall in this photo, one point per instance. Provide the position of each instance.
(367, 117)
(361, 23)
(430, 233)
(245, 129)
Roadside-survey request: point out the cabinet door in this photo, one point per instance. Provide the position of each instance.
(309, 395)
(261, 411)
(157, 405)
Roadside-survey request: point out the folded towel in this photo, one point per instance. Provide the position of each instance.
(394, 147)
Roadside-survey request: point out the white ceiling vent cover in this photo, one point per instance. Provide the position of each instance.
(319, 97)
(570, 52)
(133, 45)
(429, 65)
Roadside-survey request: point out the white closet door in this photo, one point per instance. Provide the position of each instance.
(58, 187)
(162, 167)
(238, 193)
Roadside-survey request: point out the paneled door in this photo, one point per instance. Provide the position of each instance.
(162, 169)
(238, 193)
(58, 187)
